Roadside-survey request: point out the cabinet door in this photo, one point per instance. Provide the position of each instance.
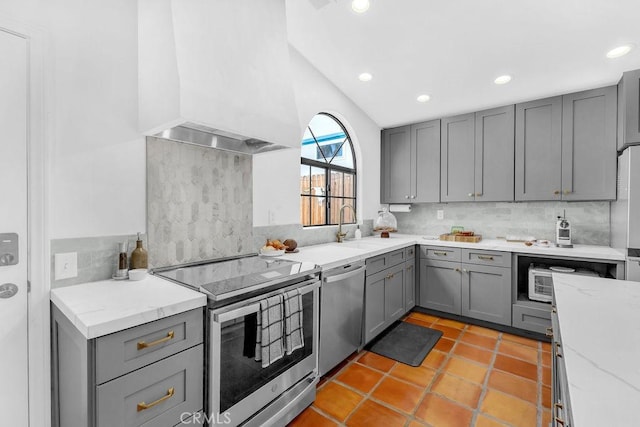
(457, 160)
(425, 165)
(394, 294)
(629, 109)
(486, 293)
(374, 306)
(396, 161)
(494, 151)
(589, 155)
(409, 285)
(538, 149)
(440, 283)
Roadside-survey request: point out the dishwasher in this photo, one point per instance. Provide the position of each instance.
(341, 311)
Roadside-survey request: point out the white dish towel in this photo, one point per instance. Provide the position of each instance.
(293, 332)
(269, 332)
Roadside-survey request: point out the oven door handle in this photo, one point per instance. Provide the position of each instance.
(255, 307)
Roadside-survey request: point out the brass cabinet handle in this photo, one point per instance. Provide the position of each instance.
(556, 192)
(470, 194)
(567, 191)
(410, 267)
(406, 197)
(439, 253)
(464, 270)
(142, 345)
(558, 349)
(549, 332)
(144, 406)
(557, 406)
(487, 257)
(478, 194)
(456, 269)
(554, 309)
(390, 276)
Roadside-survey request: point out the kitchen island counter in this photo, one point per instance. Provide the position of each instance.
(599, 325)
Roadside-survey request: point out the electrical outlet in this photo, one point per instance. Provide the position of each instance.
(66, 265)
(440, 214)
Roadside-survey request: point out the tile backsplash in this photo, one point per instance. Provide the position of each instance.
(199, 203)
(590, 221)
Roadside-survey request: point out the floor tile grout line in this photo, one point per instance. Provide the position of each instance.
(485, 384)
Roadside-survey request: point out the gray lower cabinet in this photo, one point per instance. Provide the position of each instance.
(388, 293)
(629, 109)
(475, 288)
(560, 386)
(531, 316)
(538, 149)
(411, 163)
(149, 375)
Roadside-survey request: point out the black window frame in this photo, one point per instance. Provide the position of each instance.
(328, 168)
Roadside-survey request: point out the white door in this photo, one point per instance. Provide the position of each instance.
(13, 230)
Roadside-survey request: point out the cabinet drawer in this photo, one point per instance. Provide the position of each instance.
(499, 259)
(440, 253)
(380, 262)
(156, 395)
(531, 319)
(131, 349)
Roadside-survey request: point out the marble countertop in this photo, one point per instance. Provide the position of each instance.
(107, 306)
(599, 321)
(329, 255)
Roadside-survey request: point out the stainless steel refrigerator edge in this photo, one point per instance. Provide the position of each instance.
(341, 311)
(625, 211)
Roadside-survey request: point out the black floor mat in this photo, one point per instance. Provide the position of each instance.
(405, 342)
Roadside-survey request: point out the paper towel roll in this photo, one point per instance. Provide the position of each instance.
(399, 208)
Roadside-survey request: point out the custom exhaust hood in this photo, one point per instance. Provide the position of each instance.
(217, 73)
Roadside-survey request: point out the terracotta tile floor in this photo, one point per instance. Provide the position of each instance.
(473, 377)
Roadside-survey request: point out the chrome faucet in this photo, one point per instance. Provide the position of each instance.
(340, 236)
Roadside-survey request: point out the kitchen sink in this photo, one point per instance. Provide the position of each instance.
(359, 244)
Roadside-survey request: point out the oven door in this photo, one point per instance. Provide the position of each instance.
(238, 385)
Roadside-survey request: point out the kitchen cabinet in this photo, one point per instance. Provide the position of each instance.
(457, 158)
(589, 157)
(411, 163)
(560, 386)
(565, 147)
(389, 290)
(629, 109)
(147, 375)
(494, 154)
(472, 283)
(538, 149)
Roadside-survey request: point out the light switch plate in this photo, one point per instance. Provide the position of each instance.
(66, 265)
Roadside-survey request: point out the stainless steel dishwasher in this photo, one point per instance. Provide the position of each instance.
(341, 308)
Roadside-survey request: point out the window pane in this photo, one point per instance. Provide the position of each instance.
(349, 185)
(308, 146)
(318, 211)
(305, 179)
(305, 210)
(344, 156)
(337, 179)
(334, 211)
(318, 182)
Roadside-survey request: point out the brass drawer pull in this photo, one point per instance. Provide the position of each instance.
(144, 406)
(390, 276)
(558, 350)
(410, 267)
(486, 257)
(549, 332)
(555, 193)
(456, 269)
(142, 345)
(439, 253)
(557, 406)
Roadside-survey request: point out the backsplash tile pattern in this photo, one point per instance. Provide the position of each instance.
(590, 221)
(306, 236)
(199, 203)
(97, 257)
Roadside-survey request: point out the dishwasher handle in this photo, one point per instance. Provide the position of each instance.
(337, 277)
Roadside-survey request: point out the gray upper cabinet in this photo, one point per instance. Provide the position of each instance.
(629, 109)
(538, 149)
(494, 154)
(589, 145)
(411, 163)
(396, 158)
(425, 167)
(457, 159)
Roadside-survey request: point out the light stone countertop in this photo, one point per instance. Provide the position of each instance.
(107, 306)
(330, 255)
(599, 322)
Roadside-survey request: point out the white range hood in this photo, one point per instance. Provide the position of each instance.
(212, 72)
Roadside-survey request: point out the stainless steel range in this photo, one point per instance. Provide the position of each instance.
(241, 291)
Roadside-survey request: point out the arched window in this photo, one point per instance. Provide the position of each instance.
(327, 173)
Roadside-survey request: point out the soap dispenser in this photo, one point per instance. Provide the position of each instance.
(139, 256)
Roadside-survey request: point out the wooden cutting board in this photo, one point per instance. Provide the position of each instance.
(458, 238)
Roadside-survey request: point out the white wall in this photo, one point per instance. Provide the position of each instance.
(97, 179)
(276, 175)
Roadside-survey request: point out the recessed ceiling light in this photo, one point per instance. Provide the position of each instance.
(502, 80)
(360, 6)
(619, 51)
(365, 77)
(423, 98)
